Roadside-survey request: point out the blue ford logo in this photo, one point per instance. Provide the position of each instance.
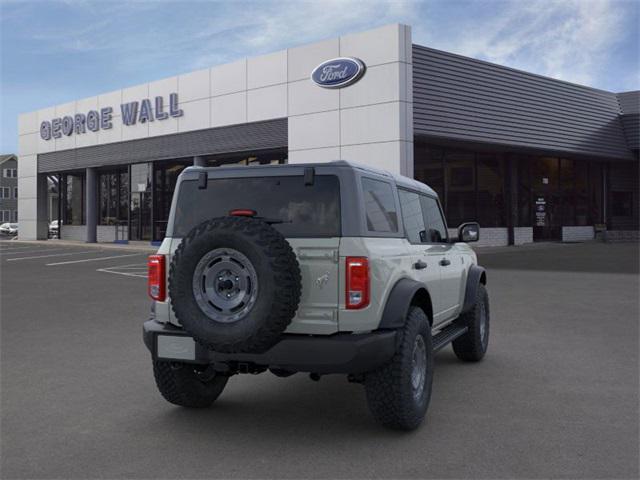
(338, 73)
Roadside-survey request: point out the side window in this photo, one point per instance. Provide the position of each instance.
(436, 229)
(380, 206)
(412, 217)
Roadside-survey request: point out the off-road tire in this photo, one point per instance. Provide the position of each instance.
(472, 346)
(389, 390)
(279, 284)
(180, 384)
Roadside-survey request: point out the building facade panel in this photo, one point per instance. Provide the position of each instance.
(305, 98)
(194, 85)
(196, 116)
(315, 130)
(266, 103)
(303, 59)
(229, 78)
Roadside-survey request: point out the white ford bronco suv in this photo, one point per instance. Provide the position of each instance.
(320, 268)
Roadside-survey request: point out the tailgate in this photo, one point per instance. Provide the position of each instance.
(318, 309)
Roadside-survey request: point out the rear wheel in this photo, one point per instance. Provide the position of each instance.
(472, 346)
(398, 394)
(187, 385)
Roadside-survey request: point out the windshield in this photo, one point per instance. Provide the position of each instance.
(296, 209)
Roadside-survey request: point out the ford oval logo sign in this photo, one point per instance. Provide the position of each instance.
(338, 73)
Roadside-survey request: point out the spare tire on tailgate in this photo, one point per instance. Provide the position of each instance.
(235, 284)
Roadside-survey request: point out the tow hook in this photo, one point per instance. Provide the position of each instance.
(315, 377)
(207, 374)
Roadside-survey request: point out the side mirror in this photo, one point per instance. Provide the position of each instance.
(469, 232)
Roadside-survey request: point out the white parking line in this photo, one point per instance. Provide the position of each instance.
(52, 255)
(20, 249)
(39, 250)
(130, 266)
(92, 259)
(129, 270)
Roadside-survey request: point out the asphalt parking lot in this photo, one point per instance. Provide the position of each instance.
(556, 396)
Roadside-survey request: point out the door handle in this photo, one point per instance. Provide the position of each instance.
(444, 262)
(419, 265)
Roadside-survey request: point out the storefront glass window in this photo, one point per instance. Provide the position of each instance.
(548, 192)
(460, 190)
(123, 196)
(428, 167)
(140, 201)
(573, 192)
(567, 191)
(596, 193)
(491, 199)
(523, 165)
(623, 200)
(581, 172)
(112, 195)
(73, 199)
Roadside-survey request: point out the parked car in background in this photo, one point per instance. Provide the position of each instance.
(54, 229)
(9, 229)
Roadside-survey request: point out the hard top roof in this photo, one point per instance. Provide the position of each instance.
(400, 180)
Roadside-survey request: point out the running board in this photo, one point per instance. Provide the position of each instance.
(447, 335)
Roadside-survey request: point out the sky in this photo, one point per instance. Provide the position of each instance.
(55, 51)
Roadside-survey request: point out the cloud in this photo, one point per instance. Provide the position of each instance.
(269, 26)
(569, 40)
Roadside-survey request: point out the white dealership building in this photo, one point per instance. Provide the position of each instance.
(529, 157)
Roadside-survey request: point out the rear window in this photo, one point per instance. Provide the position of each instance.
(305, 210)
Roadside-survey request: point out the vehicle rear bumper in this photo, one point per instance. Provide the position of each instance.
(338, 353)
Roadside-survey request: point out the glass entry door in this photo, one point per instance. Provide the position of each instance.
(140, 220)
(546, 201)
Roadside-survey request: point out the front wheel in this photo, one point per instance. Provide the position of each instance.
(187, 385)
(472, 346)
(398, 394)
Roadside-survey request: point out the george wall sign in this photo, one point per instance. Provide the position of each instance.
(338, 72)
(94, 120)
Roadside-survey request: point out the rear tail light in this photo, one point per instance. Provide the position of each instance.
(357, 291)
(156, 280)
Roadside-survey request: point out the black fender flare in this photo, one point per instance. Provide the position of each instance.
(400, 299)
(475, 277)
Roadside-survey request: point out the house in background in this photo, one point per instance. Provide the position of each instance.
(9, 188)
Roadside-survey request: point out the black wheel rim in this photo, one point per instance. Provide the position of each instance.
(225, 285)
(483, 325)
(418, 367)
